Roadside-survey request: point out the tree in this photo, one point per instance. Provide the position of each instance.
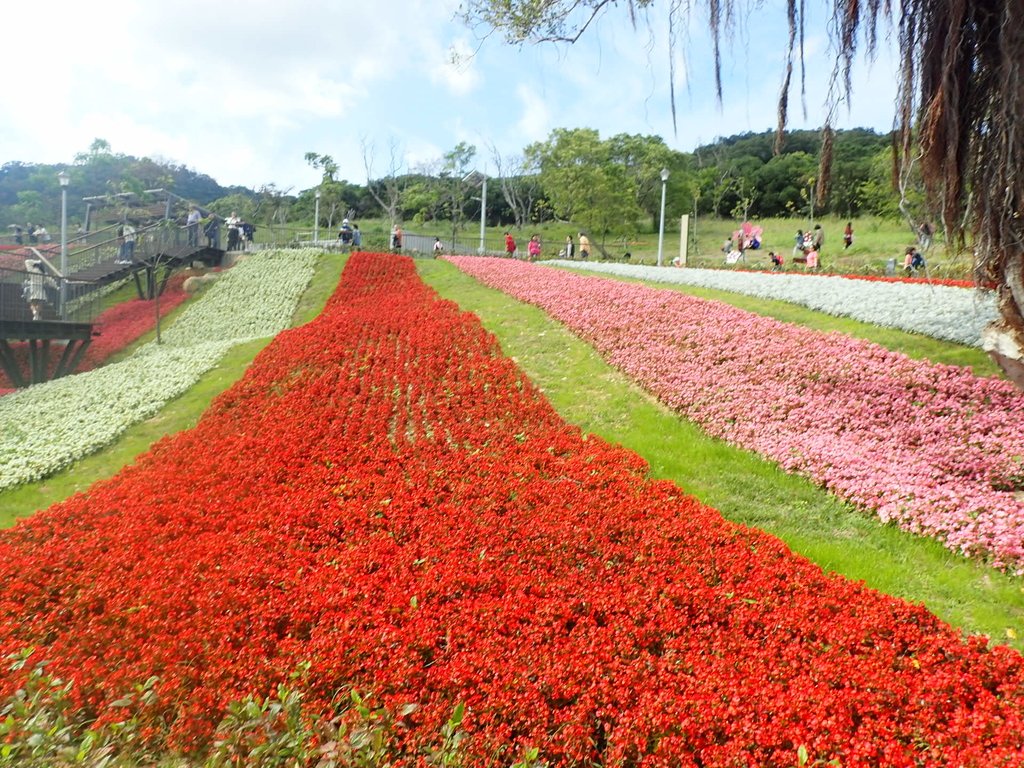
(780, 180)
(958, 113)
(519, 178)
(454, 173)
(387, 191)
(584, 183)
(642, 158)
(273, 205)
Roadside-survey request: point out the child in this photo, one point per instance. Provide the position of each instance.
(776, 259)
(534, 247)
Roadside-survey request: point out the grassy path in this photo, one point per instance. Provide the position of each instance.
(745, 488)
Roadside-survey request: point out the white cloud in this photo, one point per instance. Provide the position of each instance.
(535, 120)
(241, 90)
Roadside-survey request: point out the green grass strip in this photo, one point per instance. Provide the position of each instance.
(179, 414)
(745, 488)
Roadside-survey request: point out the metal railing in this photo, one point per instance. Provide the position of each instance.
(21, 287)
(28, 295)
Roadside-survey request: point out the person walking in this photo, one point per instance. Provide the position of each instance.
(584, 246)
(533, 248)
(510, 245)
(848, 235)
(34, 289)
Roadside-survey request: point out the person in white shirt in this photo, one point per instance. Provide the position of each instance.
(193, 227)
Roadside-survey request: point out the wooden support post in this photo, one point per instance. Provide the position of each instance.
(138, 284)
(10, 364)
(39, 358)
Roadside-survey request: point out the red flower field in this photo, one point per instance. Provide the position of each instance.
(387, 497)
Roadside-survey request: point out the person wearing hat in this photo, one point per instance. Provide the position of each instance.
(345, 234)
(34, 289)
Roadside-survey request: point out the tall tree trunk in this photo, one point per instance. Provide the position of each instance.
(1004, 339)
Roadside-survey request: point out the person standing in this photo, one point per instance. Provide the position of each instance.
(570, 247)
(126, 238)
(848, 235)
(192, 224)
(212, 232)
(357, 237)
(798, 246)
(396, 239)
(345, 234)
(817, 239)
(234, 233)
(584, 246)
(924, 235)
(437, 247)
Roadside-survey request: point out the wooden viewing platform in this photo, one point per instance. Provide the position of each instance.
(41, 335)
(50, 335)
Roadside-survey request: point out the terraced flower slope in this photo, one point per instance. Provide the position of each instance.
(386, 497)
(932, 447)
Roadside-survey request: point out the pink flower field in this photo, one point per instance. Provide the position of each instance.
(932, 448)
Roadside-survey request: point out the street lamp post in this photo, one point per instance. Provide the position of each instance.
(316, 216)
(483, 212)
(661, 226)
(64, 181)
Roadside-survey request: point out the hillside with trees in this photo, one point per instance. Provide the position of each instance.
(607, 185)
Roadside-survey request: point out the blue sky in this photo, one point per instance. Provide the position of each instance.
(242, 90)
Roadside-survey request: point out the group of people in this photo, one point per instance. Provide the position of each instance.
(349, 235)
(569, 252)
(913, 261)
(35, 234)
(240, 233)
(746, 238)
(807, 246)
(533, 247)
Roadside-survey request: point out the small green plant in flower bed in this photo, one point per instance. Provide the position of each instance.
(41, 725)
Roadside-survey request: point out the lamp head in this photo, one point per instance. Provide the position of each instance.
(64, 178)
(664, 174)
